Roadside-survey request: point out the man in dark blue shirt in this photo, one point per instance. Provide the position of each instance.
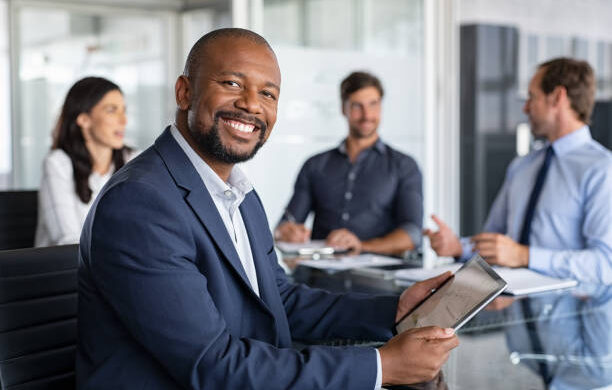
(366, 196)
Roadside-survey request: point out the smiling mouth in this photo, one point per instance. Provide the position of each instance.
(240, 126)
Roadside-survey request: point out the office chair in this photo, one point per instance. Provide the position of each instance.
(38, 326)
(18, 217)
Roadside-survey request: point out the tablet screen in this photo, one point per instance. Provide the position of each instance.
(463, 295)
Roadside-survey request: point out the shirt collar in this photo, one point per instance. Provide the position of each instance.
(237, 181)
(379, 146)
(572, 140)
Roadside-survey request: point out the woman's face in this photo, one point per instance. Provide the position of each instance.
(104, 125)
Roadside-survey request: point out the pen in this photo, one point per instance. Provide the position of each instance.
(289, 217)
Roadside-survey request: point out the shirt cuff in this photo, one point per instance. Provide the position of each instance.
(378, 384)
(415, 232)
(467, 248)
(540, 259)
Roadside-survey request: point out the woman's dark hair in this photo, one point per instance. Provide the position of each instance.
(68, 136)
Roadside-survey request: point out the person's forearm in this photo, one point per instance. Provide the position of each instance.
(394, 243)
(591, 265)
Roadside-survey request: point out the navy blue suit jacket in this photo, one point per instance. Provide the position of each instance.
(164, 302)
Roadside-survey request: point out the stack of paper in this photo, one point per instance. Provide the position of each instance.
(350, 262)
(520, 280)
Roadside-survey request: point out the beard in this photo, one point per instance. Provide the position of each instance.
(359, 133)
(210, 144)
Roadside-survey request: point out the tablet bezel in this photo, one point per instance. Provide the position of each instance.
(501, 286)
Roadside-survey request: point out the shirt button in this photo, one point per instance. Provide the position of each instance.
(348, 196)
(228, 193)
(351, 176)
(345, 216)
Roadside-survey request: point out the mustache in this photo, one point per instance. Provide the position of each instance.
(241, 116)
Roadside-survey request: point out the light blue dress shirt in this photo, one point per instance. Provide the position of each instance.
(571, 232)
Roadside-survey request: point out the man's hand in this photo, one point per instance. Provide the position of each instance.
(444, 242)
(500, 303)
(345, 239)
(501, 250)
(416, 355)
(292, 232)
(417, 292)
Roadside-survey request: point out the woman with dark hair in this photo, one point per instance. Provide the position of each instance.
(87, 148)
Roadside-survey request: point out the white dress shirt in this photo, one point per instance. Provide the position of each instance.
(227, 197)
(61, 213)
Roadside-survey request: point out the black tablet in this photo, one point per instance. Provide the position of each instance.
(458, 299)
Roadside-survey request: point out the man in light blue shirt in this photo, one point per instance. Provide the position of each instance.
(567, 228)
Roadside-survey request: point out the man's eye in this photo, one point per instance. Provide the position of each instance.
(231, 83)
(269, 95)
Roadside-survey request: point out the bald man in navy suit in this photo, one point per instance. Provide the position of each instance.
(179, 286)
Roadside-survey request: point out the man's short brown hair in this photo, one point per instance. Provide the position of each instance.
(577, 78)
(356, 81)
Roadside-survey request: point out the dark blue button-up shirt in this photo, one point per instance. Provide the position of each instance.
(380, 192)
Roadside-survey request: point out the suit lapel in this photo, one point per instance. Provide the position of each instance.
(260, 258)
(199, 199)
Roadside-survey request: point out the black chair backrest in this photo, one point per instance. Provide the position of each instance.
(38, 326)
(18, 217)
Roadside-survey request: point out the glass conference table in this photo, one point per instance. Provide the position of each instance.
(555, 340)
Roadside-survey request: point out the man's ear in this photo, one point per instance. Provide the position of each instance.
(343, 108)
(182, 93)
(559, 95)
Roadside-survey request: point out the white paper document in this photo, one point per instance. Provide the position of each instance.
(521, 281)
(351, 262)
(305, 248)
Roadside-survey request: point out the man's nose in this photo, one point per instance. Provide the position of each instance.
(369, 114)
(249, 102)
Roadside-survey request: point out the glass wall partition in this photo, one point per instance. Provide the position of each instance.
(318, 43)
(55, 45)
(502, 42)
(5, 106)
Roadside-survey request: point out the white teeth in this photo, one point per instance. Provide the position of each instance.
(240, 126)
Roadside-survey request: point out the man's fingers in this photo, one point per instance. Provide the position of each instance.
(445, 344)
(486, 249)
(436, 281)
(299, 232)
(428, 232)
(432, 332)
(492, 260)
(332, 237)
(304, 233)
(441, 224)
(484, 237)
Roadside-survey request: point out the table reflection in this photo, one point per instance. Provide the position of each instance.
(569, 344)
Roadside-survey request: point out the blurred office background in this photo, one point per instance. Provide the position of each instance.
(455, 74)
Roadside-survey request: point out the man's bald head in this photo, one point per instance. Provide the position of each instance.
(197, 52)
(227, 98)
